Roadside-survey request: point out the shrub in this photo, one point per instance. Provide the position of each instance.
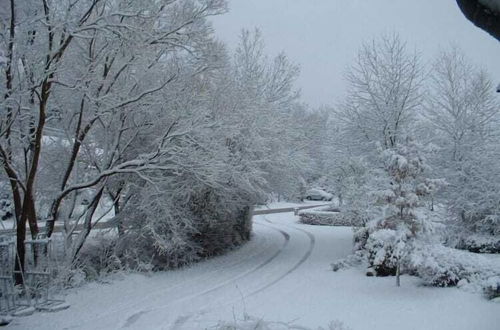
(442, 266)
(97, 258)
(358, 258)
(328, 216)
(181, 230)
(381, 248)
(492, 288)
(480, 243)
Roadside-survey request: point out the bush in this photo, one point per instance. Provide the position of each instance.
(441, 266)
(328, 216)
(381, 247)
(360, 238)
(492, 288)
(231, 230)
(97, 258)
(358, 258)
(182, 230)
(479, 243)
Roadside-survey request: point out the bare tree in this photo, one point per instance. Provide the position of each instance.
(384, 93)
(463, 113)
(88, 70)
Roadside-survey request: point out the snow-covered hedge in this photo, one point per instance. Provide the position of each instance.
(328, 216)
(96, 259)
(480, 243)
(442, 266)
(185, 238)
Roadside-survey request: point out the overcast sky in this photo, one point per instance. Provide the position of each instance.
(323, 36)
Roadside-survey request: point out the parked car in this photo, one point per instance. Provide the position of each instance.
(317, 194)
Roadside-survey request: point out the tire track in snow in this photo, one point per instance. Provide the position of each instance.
(208, 275)
(181, 320)
(312, 243)
(135, 317)
(278, 252)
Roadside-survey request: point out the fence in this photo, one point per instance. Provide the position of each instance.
(35, 293)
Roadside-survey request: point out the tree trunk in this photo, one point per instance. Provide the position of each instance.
(398, 273)
(119, 223)
(87, 225)
(21, 251)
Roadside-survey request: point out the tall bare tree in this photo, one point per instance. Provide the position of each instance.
(384, 93)
(84, 74)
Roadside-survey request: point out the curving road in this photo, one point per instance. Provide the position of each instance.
(225, 287)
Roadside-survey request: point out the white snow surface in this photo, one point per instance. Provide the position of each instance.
(283, 274)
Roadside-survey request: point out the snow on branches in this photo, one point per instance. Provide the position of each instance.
(403, 215)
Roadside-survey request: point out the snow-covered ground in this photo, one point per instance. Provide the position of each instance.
(282, 274)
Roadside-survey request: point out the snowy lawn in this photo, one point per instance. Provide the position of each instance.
(282, 275)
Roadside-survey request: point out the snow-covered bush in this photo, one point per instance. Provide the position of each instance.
(403, 217)
(386, 248)
(492, 288)
(170, 228)
(479, 243)
(442, 266)
(329, 216)
(98, 258)
(355, 259)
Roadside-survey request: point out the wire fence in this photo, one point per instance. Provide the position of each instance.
(35, 290)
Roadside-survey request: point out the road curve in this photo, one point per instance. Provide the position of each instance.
(183, 299)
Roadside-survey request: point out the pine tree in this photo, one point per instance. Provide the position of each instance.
(404, 218)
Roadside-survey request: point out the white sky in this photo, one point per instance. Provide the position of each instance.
(323, 36)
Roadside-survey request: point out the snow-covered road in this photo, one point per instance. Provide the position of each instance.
(282, 274)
